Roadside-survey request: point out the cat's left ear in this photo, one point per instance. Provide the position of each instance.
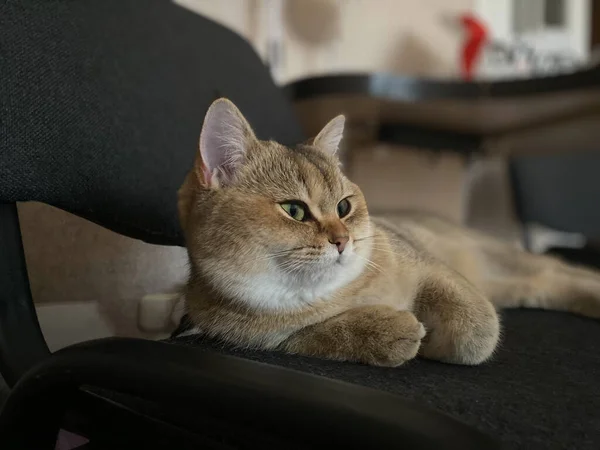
(224, 142)
(328, 140)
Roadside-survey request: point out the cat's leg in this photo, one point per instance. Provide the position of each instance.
(521, 279)
(376, 334)
(461, 323)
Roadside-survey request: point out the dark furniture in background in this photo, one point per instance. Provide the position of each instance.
(529, 116)
(101, 104)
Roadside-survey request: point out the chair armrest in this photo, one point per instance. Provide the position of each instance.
(22, 344)
(293, 406)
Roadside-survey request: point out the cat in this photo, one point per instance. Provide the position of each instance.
(284, 256)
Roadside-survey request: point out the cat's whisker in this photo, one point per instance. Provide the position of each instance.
(370, 263)
(388, 250)
(365, 237)
(391, 239)
(291, 265)
(386, 244)
(268, 257)
(384, 238)
(380, 246)
(374, 268)
(280, 253)
(288, 263)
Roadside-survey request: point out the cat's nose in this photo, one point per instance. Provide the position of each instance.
(340, 242)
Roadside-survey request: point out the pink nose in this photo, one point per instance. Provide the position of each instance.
(340, 242)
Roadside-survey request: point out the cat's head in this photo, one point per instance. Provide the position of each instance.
(268, 225)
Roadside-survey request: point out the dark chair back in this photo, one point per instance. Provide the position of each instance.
(102, 102)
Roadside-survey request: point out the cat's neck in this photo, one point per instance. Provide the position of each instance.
(270, 291)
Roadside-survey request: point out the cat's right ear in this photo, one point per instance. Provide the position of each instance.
(328, 140)
(224, 141)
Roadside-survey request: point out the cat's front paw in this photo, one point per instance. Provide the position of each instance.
(390, 337)
(376, 334)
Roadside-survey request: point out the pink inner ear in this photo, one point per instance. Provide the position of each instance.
(206, 174)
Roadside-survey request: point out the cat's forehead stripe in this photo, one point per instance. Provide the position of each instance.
(296, 165)
(321, 164)
(301, 176)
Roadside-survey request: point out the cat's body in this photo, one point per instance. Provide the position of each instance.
(285, 256)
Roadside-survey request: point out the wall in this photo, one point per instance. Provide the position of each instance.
(574, 36)
(321, 36)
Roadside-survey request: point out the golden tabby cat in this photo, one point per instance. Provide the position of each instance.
(285, 256)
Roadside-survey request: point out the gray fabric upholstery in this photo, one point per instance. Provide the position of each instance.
(540, 391)
(102, 102)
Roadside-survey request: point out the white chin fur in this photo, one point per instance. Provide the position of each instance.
(279, 289)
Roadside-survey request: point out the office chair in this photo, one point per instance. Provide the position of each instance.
(101, 103)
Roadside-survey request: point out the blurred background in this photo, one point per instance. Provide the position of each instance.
(105, 276)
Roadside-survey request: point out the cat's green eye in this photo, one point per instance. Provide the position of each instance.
(295, 210)
(343, 208)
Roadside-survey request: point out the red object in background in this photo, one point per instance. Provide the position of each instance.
(476, 36)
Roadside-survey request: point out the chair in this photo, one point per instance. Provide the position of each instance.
(100, 111)
(560, 191)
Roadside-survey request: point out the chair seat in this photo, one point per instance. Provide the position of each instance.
(541, 389)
